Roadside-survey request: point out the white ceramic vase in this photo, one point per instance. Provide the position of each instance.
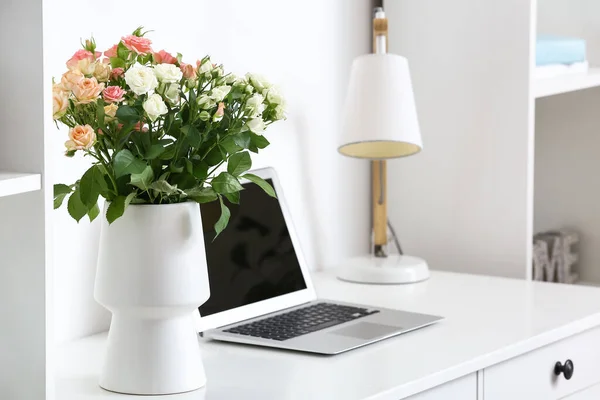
(152, 276)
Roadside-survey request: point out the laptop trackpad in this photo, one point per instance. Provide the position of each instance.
(366, 330)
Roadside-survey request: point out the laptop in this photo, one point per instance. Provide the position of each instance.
(261, 289)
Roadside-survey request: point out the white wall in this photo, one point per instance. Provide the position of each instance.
(464, 203)
(304, 46)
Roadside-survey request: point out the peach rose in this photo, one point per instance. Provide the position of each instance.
(80, 55)
(137, 44)
(220, 112)
(81, 137)
(111, 110)
(189, 72)
(112, 52)
(113, 94)
(70, 79)
(117, 73)
(87, 90)
(102, 72)
(60, 101)
(162, 57)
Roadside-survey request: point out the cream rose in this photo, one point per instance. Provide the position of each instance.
(273, 96)
(102, 72)
(279, 112)
(71, 78)
(219, 93)
(255, 105)
(205, 102)
(60, 101)
(141, 79)
(155, 106)
(87, 90)
(111, 110)
(168, 73)
(81, 137)
(256, 125)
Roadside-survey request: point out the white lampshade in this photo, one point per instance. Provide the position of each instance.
(380, 118)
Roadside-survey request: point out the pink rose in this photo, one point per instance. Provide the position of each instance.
(112, 52)
(80, 55)
(117, 73)
(81, 137)
(162, 57)
(189, 72)
(113, 94)
(137, 127)
(137, 44)
(87, 90)
(220, 110)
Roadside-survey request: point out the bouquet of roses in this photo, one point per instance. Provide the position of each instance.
(158, 128)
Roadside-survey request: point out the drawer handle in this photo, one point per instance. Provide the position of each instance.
(566, 369)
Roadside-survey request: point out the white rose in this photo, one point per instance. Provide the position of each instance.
(256, 125)
(258, 81)
(279, 112)
(205, 102)
(206, 66)
(229, 79)
(255, 105)
(168, 73)
(172, 93)
(274, 97)
(219, 93)
(141, 79)
(155, 106)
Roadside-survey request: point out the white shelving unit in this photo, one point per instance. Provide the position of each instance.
(12, 183)
(505, 155)
(567, 83)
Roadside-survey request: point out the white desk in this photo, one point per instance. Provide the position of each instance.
(488, 320)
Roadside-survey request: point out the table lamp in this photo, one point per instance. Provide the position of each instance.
(379, 123)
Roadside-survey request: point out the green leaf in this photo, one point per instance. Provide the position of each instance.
(164, 187)
(184, 180)
(143, 179)
(94, 212)
(128, 114)
(122, 51)
(192, 135)
(226, 183)
(117, 207)
(58, 200)
(264, 185)
(91, 185)
(169, 153)
(117, 62)
(75, 206)
(125, 163)
(239, 163)
(223, 219)
(258, 141)
(201, 195)
(242, 139)
(233, 197)
(213, 157)
(155, 151)
(189, 167)
(60, 192)
(200, 170)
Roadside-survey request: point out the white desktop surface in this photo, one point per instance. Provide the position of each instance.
(488, 320)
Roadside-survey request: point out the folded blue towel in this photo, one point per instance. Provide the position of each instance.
(552, 49)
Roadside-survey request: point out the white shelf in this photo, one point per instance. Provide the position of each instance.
(13, 183)
(567, 83)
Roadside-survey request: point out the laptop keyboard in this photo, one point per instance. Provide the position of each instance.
(301, 321)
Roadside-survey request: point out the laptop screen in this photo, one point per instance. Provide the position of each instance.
(253, 259)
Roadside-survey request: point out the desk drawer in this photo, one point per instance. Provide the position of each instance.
(464, 388)
(532, 375)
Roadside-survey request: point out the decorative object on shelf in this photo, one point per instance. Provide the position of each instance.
(157, 130)
(555, 255)
(380, 122)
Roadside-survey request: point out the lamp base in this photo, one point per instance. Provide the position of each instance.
(394, 269)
